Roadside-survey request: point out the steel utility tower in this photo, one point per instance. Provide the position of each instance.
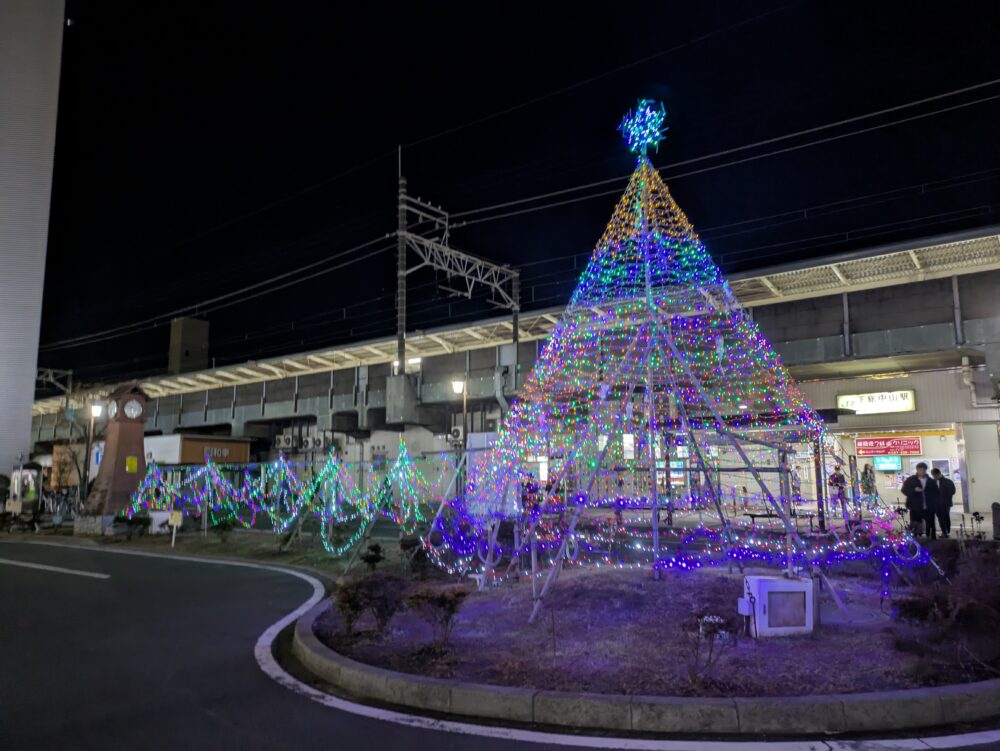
(424, 229)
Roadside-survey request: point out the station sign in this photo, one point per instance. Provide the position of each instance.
(878, 402)
(899, 446)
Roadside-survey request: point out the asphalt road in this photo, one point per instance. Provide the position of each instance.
(159, 655)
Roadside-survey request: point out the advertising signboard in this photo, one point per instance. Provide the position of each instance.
(899, 445)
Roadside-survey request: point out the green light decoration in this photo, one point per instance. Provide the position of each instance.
(244, 493)
(655, 402)
(655, 416)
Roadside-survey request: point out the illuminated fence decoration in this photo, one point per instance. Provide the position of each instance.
(346, 498)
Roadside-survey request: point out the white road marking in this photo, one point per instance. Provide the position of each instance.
(270, 666)
(56, 569)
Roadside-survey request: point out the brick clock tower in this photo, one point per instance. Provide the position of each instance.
(124, 462)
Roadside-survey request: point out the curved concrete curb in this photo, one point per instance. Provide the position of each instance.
(834, 713)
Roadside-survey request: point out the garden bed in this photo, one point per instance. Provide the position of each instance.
(622, 632)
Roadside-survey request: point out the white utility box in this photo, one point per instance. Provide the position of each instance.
(778, 606)
(158, 522)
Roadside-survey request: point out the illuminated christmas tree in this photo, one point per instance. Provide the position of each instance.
(655, 394)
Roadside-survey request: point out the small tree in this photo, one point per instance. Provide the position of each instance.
(704, 640)
(439, 606)
(373, 556)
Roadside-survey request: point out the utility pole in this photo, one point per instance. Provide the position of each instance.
(462, 271)
(401, 272)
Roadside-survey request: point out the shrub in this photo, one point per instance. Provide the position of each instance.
(974, 630)
(704, 639)
(134, 525)
(979, 577)
(439, 606)
(223, 527)
(373, 556)
(412, 549)
(382, 595)
(924, 605)
(350, 602)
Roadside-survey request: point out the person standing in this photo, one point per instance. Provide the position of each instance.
(838, 488)
(921, 495)
(946, 492)
(868, 481)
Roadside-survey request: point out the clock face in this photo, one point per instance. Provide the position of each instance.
(132, 409)
(112, 409)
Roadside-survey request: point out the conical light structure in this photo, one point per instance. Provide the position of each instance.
(653, 355)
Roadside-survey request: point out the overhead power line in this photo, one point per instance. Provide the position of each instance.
(745, 147)
(243, 294)
(597, 77)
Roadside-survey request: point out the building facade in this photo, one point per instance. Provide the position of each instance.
(896, 342)
(30, 55)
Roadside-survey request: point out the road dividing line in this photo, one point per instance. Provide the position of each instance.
(56, 569)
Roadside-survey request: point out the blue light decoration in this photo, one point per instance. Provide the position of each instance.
(644, 126)
(653, 347)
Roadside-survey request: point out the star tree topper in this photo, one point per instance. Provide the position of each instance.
(645, 126)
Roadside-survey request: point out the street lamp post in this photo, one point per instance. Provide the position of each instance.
(460, 387)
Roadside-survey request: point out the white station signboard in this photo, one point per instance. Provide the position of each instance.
(878, 402)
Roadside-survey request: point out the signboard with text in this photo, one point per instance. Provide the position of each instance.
(878, 402)
(889, 463)
(900, 446)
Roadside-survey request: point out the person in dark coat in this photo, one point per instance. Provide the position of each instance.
(921, 499)
(946, 492)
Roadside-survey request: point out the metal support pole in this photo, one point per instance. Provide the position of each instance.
(534, 564)
(651, 451)
(465, 399)
(852, 468)
(515, 284)
(847, 325)
(957, 308)
(818, 471)
(401, 272)
(785, 489)
(88, 447)
(465, 423)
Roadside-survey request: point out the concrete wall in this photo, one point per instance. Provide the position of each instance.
(982, 451)
(980, 294)
(802, 319)
(30, 53)
(902, 306)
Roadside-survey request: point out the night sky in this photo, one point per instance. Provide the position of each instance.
(201, 150)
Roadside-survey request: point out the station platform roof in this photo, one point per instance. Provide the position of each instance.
(960, 253)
